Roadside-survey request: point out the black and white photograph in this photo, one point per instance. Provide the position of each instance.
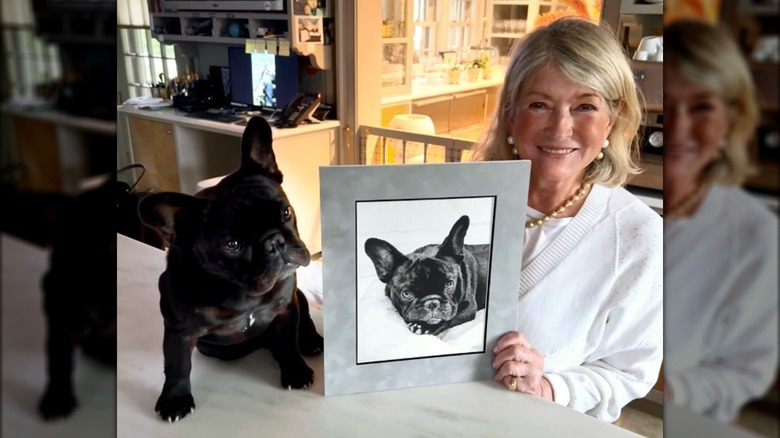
(422, 277)
(419, 271)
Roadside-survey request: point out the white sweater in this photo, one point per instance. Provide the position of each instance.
(721, 304)
(591, 304)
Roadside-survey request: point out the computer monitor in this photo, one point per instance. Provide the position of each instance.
(219, 78)
(262, 80)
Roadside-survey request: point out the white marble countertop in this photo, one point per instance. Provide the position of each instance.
(24, 361)
(244, 397)
(178, 117)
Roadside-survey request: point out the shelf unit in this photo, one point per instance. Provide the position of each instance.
(509, 20)
(217, 27)
(238, 27)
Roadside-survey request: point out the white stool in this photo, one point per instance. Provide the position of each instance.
(418, 123)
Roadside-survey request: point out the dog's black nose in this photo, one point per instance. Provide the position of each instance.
(432, 304)
(274, 244)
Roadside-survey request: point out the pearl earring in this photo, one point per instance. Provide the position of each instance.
(600, 156)
(510, 140)
(514, 151)
(605, 144)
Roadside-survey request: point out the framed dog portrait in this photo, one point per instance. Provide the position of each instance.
(421, 270)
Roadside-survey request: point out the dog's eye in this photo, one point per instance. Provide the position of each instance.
(286, 214)
(406, 295)
(450, 284)
(232, 246)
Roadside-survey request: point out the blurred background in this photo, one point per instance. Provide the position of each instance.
(753, 25)
(57, 166)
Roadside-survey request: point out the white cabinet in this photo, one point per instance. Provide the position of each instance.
(509, 20)
(397, 42)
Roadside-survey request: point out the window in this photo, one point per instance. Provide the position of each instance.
(145, 60)
(425, 27)
(30, 62)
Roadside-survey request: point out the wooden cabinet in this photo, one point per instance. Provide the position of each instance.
(438, 109)
(36, 142)
(467, 110)
(60, 151)
(153, 146)
(456, 114)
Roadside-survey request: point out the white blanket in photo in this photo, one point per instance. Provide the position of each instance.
(383, 334)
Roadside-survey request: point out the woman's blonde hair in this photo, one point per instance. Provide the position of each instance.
(588, 54)
(705, 54)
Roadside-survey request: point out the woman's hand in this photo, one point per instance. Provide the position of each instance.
(520, 366)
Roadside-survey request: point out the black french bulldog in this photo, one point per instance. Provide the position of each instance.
(79, 291)
(230, 284)
(436, 287)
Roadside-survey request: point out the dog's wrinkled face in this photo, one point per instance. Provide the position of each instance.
(242, 230)
(248, 235)
(427, 286)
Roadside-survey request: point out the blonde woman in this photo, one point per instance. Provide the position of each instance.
(590, 313)
(720, 244)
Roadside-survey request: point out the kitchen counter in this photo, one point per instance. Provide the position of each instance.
(244, 397)
(423, 91)
(179, 118)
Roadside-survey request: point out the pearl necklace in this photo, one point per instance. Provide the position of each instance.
(569, 202)
(684, 207)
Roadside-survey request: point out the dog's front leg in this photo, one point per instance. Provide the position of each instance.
(58, 401)
(310, 343)
(176, 401)
(295, 373)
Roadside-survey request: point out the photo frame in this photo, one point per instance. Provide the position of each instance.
(309, 29)
(406, 250)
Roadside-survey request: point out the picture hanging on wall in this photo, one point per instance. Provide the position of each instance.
(309, 30)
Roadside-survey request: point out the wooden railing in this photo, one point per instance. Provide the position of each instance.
(391, 146)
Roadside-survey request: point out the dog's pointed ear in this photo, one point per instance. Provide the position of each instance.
(161, 211)
(385, 257)
(453, 244)
(256, 149)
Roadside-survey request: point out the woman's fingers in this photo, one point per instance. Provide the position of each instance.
(509, 339)
(518, 353)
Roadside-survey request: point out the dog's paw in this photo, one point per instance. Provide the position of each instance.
(297, 376)
(417, 329)
(311, 344)
(57, 404)
(174, 408)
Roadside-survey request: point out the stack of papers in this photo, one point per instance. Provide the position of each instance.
(150, 103)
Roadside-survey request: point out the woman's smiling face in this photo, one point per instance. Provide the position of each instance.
(696, 122)
(560, 126)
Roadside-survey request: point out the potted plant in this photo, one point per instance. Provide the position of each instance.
(453, 75)
(476, 70)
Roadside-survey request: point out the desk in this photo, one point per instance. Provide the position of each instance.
(179, 151)
(245, 398)
(60, 150)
